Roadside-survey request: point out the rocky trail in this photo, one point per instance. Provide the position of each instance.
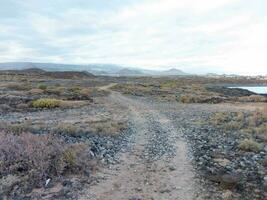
(156, 166)
(174, 154)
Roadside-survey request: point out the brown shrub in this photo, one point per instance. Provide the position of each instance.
(232, 126)
(17, 86)
(201, 98)
(56, 90)
(38, 157)
(262, 129)
(108, 127)
(72, 104)
(250, 145)
(220, 118)
(14, 128)
(36, 91)
(67, 129)
(257, 118)
(252, 98)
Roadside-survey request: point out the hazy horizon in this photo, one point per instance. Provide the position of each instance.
(226, 36)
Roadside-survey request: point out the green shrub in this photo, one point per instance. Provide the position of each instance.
(42, 87)
(75, 157)
(250, 145)
(46, 103)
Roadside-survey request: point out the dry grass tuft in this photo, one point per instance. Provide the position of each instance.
(107, 127)
(17, 86)
(67, 129)
(252, 98)
(36, 91)
(250, 145)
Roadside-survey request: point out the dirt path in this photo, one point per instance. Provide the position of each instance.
(107, 87)
(155, 168)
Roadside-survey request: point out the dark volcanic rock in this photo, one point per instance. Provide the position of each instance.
(231, 92)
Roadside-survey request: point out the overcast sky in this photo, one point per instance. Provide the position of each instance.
(193, 35)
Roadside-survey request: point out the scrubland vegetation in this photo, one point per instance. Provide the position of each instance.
(190, 91)
(40, 142)
(32, 159)
(251, 125)
(46, 103)
(56, 129)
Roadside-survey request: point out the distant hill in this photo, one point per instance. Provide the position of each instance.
(174, 72)
(96, 69)
(141, 72)
(34, 70)
(106, 68)
(69, 74)
(130, 72)
(54, 74)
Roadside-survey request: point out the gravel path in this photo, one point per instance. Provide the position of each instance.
(156, 167)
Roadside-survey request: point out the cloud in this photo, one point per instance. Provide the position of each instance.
(200, 36)
(11, 48)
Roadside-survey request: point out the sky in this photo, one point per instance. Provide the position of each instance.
(199, 36)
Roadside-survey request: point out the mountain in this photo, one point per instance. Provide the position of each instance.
(52, 74)
(107, 68)
(130, 72)
(96, 69)
(69, 74)
(142, 72)
(33, 70)
(174, 72)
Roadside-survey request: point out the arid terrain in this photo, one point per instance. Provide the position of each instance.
(72, 135)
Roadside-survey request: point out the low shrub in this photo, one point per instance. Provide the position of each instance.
(42, 87)
(257, 118)
(252, 98)
(201, 98)
(220, 118)
(36, 91)
(46, 103)
(56, 91)
(188, 98)
(14, 128)
(107, 127)
(262, 129)
(17, 86)
(233, 125)
(75, 89)
(250, 145)
(39, 157)
(67, 129)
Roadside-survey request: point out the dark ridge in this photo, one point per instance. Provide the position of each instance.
(54, 74)
(69, 74)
